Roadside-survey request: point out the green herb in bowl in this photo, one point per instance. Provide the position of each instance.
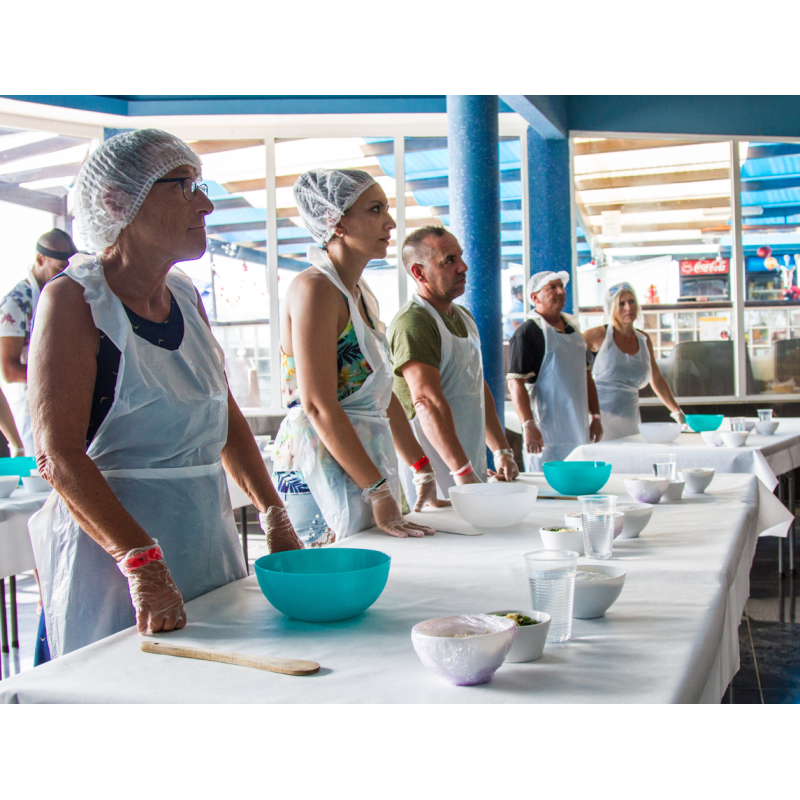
(520, 619)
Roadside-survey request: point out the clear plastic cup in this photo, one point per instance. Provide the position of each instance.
(765, 415)
(738, 424)
(551, 577)
(597, 517)
(664, 465)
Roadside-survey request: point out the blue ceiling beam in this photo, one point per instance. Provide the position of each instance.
(545, 113)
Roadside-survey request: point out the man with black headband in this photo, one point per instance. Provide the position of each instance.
(17, 309)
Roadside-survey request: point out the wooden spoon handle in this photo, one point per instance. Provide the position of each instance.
(286, 666)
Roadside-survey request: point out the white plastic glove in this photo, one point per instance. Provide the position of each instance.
(425, 481)
(280, 532)
(156, 598)
(679, 416)
(507, 469)
(388, 517)
(532, 437)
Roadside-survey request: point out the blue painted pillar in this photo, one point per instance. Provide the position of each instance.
(549, 204)
(472, 131)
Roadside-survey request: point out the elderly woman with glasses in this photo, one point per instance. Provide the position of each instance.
(132, 416)
(625, 363)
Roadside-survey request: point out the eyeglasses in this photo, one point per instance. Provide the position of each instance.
(190, 191)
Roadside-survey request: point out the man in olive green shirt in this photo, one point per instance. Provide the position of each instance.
(438, 369)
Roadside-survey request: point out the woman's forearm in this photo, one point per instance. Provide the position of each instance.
(406, 443)
(7, 424)
(663, 391)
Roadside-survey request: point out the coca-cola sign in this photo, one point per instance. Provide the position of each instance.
(705, 266)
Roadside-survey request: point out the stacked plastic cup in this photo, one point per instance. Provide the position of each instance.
(597, 517)
(551, 576)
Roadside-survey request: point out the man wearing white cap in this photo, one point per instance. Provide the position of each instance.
(547, 365)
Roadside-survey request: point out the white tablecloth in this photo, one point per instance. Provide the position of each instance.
(671, 637)
(763, 456)
(16, 553)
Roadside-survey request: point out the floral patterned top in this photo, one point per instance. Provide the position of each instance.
(16, 311)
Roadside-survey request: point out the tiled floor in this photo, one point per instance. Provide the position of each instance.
(769, 635)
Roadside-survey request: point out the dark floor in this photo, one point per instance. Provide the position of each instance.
(769, 635)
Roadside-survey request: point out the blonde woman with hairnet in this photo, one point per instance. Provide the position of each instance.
(132, 416)
(625, 363)
(335, 463)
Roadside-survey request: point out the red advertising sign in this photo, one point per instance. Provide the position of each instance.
(705, 266)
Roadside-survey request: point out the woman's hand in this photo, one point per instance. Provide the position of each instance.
(388, 517)
(156, 598)
(425, 481)
(281, 535)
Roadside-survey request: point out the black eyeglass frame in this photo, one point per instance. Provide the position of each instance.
(203, 187)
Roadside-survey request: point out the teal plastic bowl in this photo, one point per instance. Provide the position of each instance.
(704, 422)
(323, 584)
(577, 477)
(17, 466)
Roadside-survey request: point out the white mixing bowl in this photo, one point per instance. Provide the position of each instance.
(697, 479)
(7, 484)
(493, 505)
(594, 598)
(734, 438)
(660, 432)
(637, 515)
(767, 428)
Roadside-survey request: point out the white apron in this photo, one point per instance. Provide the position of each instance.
(461, 376)
(618, 378)
(159, 450)
(17, 393)
(560, 397)
(336, 494)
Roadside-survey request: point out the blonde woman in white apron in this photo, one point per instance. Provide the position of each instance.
(549, 381)
(625, 363)
(132, 414)
(335, 464)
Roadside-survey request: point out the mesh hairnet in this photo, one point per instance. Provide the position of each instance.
(116, 178)
(612, 294)
(323, 195)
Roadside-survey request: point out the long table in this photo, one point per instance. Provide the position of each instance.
(670, 637)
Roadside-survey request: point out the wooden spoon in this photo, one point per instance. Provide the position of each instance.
(286, 666)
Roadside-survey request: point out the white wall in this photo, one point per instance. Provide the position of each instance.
(20, 227)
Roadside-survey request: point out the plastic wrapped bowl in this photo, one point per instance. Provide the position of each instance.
(637, 515)
(697, 479)
(704, 422)
(493, 505)
(575, 478)
(7, 484)
(767, 428)
(323, 584)
(646, 490)
(734, 438)
(660, 432)
(594, 598)
(529, 640)
(465, 650)
(712, 438)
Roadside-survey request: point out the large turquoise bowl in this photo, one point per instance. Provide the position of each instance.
(323, 584)
(577, 477)
(704, 422)
(17, 466)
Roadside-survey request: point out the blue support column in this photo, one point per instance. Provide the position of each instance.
(472, 131)
(549, 204)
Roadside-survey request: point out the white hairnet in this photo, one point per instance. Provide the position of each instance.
(323, 195)
(116, 178)
(612, 294)
(539, 279)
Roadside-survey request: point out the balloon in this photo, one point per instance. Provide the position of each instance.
(764, 251)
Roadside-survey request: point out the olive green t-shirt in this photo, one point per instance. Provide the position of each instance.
(414, 336)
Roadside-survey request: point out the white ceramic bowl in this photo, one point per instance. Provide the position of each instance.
(712, 438)
(464, 661)
(563, 540)
(674, 491)
(660, 432)
(7, 484)
(574, 520)
(493, 505)
(697, 479)
(529, 639)
(637, 515)
(734, 438)
(767, 428)
(646, 489)
(594, 598)
(35, 484)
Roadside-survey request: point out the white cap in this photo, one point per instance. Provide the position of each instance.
(540, 279)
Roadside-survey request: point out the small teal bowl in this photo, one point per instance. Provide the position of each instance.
(323, 584)
(704, 422)
(577, 477)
